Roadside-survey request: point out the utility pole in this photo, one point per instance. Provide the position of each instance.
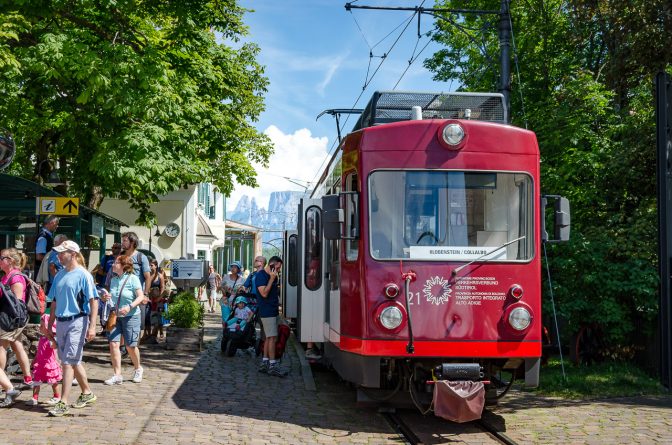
(504, 35)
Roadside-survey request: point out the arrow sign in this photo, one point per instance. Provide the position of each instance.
(70, 206)
(51, 205)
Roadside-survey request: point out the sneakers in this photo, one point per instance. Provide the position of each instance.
(114, 380)
(275, 370)
(53, 401)
(84, 400)
(313, 354)
(123, 351)
(264, 366)
(10, 398)
(32, 402)
(32, 383)
(137, 375)
(59, 410)
(75, 382)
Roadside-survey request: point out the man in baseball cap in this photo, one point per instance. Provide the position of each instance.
(67, 245)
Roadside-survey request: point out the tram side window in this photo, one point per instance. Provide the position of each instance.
(292, 269)
(351, 215)
(313, 249)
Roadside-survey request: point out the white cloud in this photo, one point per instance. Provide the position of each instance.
(298, 156)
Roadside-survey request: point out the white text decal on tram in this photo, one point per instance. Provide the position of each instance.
(456, 253)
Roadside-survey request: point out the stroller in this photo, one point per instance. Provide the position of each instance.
(244, 336)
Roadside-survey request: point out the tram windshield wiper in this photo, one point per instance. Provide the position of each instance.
(458, 269)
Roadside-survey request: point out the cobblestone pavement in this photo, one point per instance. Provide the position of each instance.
(188, 398)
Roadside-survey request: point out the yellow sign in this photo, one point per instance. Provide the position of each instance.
(49, 205)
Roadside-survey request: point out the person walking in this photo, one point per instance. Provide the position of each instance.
(74, 305)
(12, 263)
(266, 282)
(127, 295)
(46, 369)
(45, 239)
(214, 281)
(129, 246)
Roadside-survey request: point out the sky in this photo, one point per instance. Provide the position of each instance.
(316, 57)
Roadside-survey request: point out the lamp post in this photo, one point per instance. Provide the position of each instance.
(157, 235)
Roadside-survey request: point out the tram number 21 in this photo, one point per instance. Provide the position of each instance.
(413, 298)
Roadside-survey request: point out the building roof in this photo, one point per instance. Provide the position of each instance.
(230, 224)
(202, 227)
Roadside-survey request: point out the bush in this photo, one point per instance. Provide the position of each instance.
(185, 312)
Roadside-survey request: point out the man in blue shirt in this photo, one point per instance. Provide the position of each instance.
(45, 239)
(74, 305)
(266, 282)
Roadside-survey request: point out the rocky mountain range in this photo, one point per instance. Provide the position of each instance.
(281, 214)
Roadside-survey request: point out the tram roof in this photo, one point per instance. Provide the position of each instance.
(394, 106)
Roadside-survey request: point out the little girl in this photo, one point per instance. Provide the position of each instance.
(46, 368)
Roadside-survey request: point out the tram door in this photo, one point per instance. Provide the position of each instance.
(311, 271)
(290, 277)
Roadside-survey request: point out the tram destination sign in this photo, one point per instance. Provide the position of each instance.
(456, 253)
(62, 206)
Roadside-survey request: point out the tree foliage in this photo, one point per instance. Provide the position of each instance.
(584, 85)
(133, 99)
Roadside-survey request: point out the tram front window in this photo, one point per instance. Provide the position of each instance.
(450, 215)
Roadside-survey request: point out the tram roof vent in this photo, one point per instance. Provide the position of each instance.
(394, 106)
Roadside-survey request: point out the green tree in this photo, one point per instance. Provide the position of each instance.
(133, 99)
(585, 87)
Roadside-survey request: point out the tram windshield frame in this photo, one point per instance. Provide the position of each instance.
(451, 215)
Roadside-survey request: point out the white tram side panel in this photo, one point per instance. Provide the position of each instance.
(311, 274)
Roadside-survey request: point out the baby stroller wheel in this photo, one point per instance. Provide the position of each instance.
(230, 348)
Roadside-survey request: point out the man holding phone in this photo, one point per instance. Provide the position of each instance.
(266, 281)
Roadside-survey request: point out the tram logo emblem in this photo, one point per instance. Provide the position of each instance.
(437, 290)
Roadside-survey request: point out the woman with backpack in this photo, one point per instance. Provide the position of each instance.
(12, 263)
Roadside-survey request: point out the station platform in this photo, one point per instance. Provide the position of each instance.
(191, 398)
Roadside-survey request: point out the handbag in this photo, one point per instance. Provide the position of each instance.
(112, 319)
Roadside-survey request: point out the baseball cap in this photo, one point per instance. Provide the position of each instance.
(237, 264)
(67, 245)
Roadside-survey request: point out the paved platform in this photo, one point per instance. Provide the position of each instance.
(188, 398)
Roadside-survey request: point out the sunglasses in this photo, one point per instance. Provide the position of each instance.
(5, 258)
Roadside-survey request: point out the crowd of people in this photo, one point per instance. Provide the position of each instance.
(121, 284)
(127, 290)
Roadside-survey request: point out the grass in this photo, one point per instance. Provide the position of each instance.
(608, 379)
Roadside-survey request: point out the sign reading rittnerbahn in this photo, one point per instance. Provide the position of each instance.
(49, 205)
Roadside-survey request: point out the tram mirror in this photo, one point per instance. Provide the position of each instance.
(562, 219)
(7, 150)
(332, 217)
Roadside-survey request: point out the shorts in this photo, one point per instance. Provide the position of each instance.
(156, 318)
(129, 327)
(270, 326)
(70, 339)
(12, 335)
(213, 293)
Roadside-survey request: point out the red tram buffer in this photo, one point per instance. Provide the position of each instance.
(417, 257)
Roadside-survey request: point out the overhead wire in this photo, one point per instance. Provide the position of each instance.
(367, 82)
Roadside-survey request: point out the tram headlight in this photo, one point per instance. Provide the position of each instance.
(520, 318)
(453, 134)
(391, 317)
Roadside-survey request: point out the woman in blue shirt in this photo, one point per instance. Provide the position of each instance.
(126, 294)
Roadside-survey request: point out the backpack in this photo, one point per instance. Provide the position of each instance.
(13, 312)
(36, 299)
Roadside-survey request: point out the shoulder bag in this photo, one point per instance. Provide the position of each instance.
(112, 319)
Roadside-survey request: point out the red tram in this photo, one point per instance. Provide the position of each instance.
(418, 253)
